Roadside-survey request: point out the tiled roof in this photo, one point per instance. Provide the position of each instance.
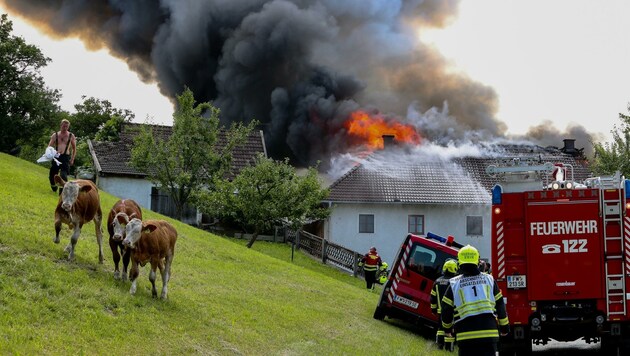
(383, 179)
(438, 182)
(112, 158)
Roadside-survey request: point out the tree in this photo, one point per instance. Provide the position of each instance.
(28, 109)
(614, 156)
(190, 158)
(268, 194)
(96, 119)
(94, 115)
(110, 131)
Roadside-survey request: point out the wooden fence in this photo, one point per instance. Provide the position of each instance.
(162, 203)
(327, 252)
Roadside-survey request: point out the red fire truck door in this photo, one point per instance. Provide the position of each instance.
(564, 248)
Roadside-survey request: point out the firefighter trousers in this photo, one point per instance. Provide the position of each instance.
(442, 340)
(370, 278)
(477, 348)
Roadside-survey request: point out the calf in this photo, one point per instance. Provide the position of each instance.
(119, 216)
(78, 204)
(151, 241)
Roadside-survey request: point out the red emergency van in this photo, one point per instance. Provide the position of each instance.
(407, 291)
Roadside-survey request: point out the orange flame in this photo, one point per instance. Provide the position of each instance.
(369, 130)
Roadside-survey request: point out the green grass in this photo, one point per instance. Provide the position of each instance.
(224, 299)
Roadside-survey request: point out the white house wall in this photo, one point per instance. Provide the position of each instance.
(390, 226)
(128, 188)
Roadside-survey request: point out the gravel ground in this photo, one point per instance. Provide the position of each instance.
(574, 348)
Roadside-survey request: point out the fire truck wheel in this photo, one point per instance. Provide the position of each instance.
(379, 313)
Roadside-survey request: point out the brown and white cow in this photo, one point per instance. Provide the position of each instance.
(78, 204)
(151, 241)
(120, 214)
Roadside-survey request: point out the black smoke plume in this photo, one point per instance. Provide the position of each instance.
(299, 67)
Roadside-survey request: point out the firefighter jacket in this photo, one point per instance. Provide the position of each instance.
(437, 292)
(473, 305)
(371, 261)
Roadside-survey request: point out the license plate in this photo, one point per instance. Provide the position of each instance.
(405, 301)
(516, 282)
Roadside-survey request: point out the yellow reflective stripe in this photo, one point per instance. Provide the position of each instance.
(439, 300)
(504, 321)
(441, 332)
(472, 312)
(477, 334)
(498, 296)
(450, 339)
(433, 293)
(366, 268)
(447, 325)
(488, 289)
(477, 307)
(447, 301)
(475, 304)
(434, 306)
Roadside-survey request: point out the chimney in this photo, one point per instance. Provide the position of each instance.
(388, 141)
(569, 144)
(569, 148)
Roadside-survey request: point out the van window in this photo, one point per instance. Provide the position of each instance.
(426, 262)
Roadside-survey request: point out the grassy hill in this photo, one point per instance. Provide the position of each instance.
(224, 299)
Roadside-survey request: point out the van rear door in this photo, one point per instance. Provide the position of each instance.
(423, 265)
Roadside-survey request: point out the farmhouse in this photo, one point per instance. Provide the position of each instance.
(396, 191)
(115, 175)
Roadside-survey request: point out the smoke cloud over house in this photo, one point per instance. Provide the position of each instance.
(302, 68)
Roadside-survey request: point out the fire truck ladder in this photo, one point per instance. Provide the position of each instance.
(612, 210)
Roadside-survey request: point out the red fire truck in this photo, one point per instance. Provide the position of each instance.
(407, 291)
(561, 256)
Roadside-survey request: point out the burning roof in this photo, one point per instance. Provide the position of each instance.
(434, 175)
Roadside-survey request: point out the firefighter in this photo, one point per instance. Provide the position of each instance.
(370, 263)
(449, 270)
(381, 275)
(469, 305)
(484, 266)
(419, 260)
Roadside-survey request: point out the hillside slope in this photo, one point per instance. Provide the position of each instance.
(223, 297)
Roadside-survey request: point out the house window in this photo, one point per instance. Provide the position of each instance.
(366, 223)
(474, 226)
(415, 224)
